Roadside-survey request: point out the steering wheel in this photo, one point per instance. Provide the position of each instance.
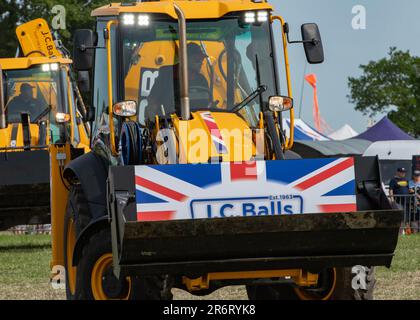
(42, 114)
(237, 63)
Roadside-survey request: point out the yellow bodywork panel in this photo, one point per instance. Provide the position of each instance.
(59, 196)
(26, 63)
(7, 141)
(200, 138)
(192, 9)
(35, 39)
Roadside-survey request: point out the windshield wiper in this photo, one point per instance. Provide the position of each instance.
(252, 96)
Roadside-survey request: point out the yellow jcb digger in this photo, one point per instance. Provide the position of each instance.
(191, 182)
(39, 106)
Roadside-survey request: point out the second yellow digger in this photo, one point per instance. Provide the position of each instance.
(39, 106)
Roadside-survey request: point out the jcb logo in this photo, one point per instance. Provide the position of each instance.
(58, 280)
(48, 41)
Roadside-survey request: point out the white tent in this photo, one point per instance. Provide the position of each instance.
(394, 150)
(345, 132)
(303, 131)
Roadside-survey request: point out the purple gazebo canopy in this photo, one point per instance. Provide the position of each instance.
(384, 130)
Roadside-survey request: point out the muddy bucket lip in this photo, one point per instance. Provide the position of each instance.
(237, 225)
(303, 241)
(194, 269)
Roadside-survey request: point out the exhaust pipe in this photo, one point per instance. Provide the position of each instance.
(2, 107)
(183, 63)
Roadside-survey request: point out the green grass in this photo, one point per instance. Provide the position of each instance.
(24, 258)
(8, 241)
(407, 256)
(402, 280)
(25, 271)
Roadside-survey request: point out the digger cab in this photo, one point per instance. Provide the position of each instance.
(38, 109)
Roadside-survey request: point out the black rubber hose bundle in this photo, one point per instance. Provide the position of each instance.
(130, 144)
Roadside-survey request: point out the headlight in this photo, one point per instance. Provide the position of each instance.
(255, 16)
(249, 17)
(143, 20)
(280, 103)
(61, 117)
(49, 67)
(128, 19)
(125, 108)
(262, 16)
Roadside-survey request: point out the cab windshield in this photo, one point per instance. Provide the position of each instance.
(35, 91)
(227, 61)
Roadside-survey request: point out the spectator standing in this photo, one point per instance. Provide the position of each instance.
(398, 186)
(414, 186)
(399, 193)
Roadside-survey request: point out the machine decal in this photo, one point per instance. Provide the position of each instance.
(176, 192)
(216, 136)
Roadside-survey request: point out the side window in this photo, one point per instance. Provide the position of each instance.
(100, 89)
(75, 129)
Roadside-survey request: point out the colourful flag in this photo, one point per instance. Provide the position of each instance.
(311, 79)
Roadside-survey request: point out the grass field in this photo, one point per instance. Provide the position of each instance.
(24, 271)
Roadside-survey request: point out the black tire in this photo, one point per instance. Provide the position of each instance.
(343, 289)
(141, 288)
(77, 209)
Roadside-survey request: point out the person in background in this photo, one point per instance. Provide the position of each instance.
(414, 187)
(398, 186)
(399, 192)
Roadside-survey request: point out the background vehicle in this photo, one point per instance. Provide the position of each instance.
(40, 106)
(140, 211)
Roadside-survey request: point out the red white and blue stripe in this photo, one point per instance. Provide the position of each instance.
(215, 134)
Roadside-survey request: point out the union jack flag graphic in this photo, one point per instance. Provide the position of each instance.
(215, 134)
(188, 191)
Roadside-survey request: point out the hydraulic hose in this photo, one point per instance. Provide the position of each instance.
(130, 144)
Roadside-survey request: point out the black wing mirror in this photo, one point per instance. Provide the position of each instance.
(312, 43)
(83, 49)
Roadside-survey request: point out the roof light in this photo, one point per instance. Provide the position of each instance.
(128, 19)
(143, 20)
(249, 17)
(54, 66)
(45, 67)
(262, 16)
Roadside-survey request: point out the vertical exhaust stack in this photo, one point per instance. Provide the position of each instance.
(2, 107)
(183, 63)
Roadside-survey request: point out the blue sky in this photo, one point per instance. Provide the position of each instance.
(388, 23)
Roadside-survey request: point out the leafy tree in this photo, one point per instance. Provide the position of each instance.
(392, 85)
(15, 12)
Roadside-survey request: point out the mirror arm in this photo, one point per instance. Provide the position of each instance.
(286, 31)
(84, 48)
